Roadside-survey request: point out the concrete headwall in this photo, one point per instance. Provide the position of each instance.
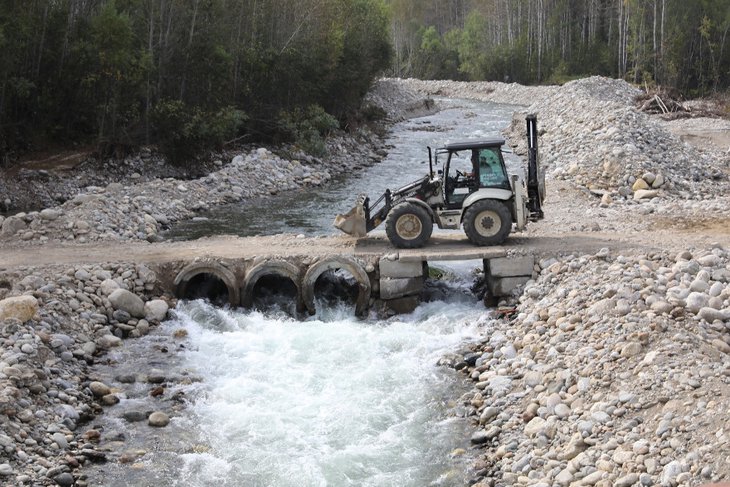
(386, 282)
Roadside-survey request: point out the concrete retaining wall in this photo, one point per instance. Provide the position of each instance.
(506, 274)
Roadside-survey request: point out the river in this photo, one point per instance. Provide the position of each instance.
(328, 401)
(312, 210)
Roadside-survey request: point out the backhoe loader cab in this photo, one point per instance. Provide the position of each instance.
(470, 167)
(473, 190)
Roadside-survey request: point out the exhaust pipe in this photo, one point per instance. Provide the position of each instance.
(535, 177)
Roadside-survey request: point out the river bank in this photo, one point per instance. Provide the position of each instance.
(582, 386)
(141, 211)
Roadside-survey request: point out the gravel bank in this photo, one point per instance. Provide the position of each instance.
(613, 371)
(140, 211)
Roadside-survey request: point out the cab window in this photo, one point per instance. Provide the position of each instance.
(460, 179)
(491, 170)
(460, 163)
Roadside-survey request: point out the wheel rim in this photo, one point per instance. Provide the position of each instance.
(408, 226)
(487, 223)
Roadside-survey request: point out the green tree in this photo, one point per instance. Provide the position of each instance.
(116, 76)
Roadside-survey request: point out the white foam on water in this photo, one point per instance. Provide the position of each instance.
(332, 401)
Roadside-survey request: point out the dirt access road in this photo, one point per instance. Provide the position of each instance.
(441, 247)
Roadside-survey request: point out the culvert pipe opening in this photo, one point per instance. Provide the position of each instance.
(346, 280)
(207, 286)
(336, 286)
(274, 291)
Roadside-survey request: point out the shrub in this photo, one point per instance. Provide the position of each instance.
(183, 132)
(308, 128)
(372, 112)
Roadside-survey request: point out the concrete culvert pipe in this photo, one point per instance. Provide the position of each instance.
(209, 281)
(338, 263)
(277, 276)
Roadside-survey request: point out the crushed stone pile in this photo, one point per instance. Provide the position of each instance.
(493, 91)
(592, 135)
(398, 100)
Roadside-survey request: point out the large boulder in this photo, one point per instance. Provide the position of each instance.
(21, 308)
(155, 310)
(12, 225)
(127, 301)
(108, 286)
(645, 194)
(50, 214)
(158, 419)
(639, 185)
(696, 301)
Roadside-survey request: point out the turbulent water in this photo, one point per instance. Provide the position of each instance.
(331, 400)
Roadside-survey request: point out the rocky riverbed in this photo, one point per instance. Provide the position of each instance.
(613, 370)
(60, 322)
(140, 210)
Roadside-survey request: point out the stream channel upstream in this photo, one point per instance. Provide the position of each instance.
(258, 398)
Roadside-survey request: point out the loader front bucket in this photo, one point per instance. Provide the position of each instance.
(353, 222)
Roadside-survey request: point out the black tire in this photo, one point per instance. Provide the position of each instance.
(408, 226)
(487, 222)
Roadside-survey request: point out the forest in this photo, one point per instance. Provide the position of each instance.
(189, 75)
(678, 44)
(184, 74)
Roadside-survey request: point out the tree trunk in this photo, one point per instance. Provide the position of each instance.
(654, 42)
(41, 43)
(661, 42)
(191, 35)
(150, 49)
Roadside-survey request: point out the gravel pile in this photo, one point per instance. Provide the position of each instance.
(592, 136)
(398, 100)
(612, 372)
(140, 211)
(54, 325)
(510, 93)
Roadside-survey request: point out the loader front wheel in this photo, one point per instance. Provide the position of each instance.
(408, 226)
(487, 222)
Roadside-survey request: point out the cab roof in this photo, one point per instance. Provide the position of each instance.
(475, 144)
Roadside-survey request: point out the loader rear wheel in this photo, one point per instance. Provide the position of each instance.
(408, 226)
(487, 222)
